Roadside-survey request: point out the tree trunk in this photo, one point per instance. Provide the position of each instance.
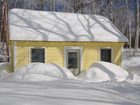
(5, 36)
(111, 10)
(137, 30)
(130, 36)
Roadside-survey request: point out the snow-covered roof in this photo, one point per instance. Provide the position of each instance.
(34, 25)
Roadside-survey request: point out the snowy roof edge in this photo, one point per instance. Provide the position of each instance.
(13, 25)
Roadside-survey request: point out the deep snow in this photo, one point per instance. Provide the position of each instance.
(4, 68)
(104, 71)
(132, 65)
(40, 72)
(73, 92)
(68, 92)
(98, 72)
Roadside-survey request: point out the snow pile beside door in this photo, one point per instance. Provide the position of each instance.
(40, 72)
(103, 71)
(4, 69)
(98, 72)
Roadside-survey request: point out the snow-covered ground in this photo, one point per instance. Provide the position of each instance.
(132, 65)
(69, 92)
(130, 62)
(72, 91)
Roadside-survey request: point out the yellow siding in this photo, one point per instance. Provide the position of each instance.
(55, 55)
(22, 56)
(90, 56)
(12, 56)
(54, 52)
(117, 55)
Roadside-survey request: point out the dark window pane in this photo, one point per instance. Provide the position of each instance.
(106, 55)
(38, 55)
(72, 60)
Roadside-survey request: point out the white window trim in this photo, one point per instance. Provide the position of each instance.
(71, 48)
(106, 48)
(30, 49)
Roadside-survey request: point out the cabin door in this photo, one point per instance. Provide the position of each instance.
(73, 60)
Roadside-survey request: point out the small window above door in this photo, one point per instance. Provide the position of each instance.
(106, 54)
(38, 55)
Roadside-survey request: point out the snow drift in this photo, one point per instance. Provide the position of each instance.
(41, 72)
(104, 71)
(4, 69)
(5, 66)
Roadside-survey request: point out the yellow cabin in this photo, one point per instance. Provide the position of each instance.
(73, 41)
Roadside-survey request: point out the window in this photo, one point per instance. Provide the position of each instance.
(105, 55)
(38, 55)
(72, 60)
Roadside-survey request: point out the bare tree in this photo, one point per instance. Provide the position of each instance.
(137, 29)
(129, 26)
(4, 29)
(116, 10)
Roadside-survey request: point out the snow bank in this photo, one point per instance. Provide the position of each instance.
(4, 68)
(41, 72)
(135, 79)
(130, 62)
(68, 92)
(3, 74)
(104, 71)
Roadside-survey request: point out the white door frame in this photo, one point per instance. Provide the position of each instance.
(73, 49)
